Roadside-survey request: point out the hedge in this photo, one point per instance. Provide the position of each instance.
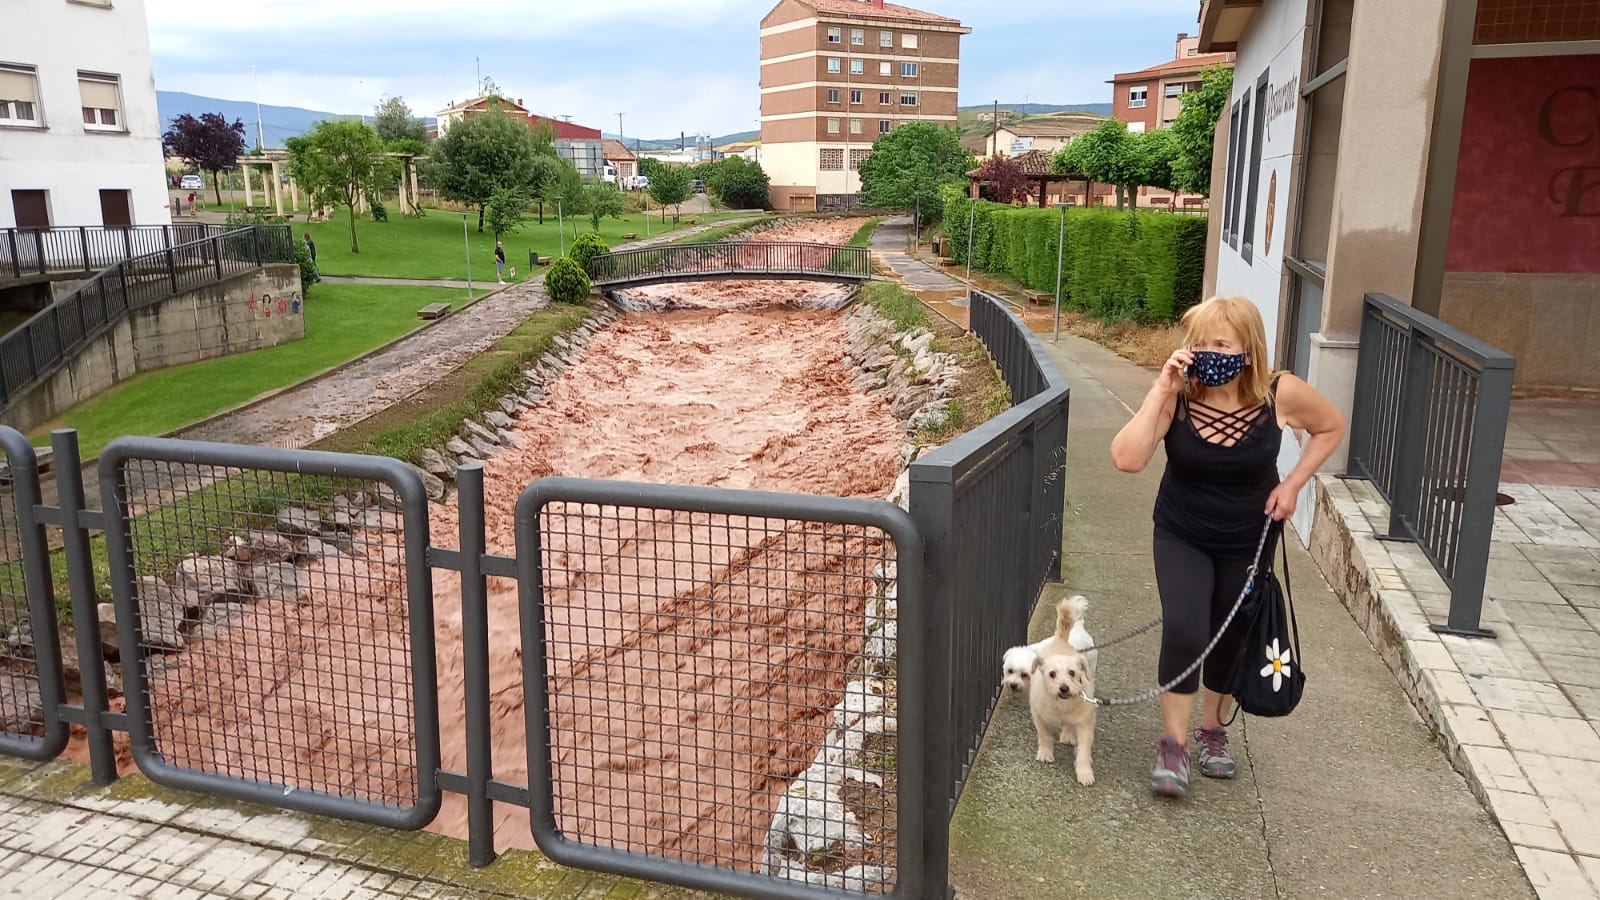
(1140, 265)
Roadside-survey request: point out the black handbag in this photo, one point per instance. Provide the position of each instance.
(1269, 676)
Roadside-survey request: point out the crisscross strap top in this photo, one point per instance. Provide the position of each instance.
(1221, 467)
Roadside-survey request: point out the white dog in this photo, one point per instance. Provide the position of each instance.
(1018, 663)
(1062, 677)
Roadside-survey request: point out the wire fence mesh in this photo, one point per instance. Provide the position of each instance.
(273, 626)
(721, 689)
(21, 697)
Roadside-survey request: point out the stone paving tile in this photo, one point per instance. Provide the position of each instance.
(1519, 714)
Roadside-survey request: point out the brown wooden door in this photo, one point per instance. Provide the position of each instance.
(805, 204)
(32, 208)
(115, 209)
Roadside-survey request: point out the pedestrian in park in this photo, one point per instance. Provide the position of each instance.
(311, 251)
(1220, 411)
(500, 261)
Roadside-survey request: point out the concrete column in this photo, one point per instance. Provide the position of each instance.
(416, 195)
(277, 192)
(294, 195)
(249, 198)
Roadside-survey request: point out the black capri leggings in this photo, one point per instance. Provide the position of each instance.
(1197, 591)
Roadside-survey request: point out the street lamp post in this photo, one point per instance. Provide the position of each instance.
(1061, 247)
(466, 245)
(261, 140)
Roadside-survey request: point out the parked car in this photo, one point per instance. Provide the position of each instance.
(699, 186)
(638, 182)
(192, 183)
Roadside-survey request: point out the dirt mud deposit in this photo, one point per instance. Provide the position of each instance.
(694, 659)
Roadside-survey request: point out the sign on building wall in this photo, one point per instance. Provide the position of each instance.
(1528, 184)
(1021, 145)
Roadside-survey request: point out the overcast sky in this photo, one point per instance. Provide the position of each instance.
(671, 65)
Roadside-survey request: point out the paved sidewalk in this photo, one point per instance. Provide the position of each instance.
(1349, 797)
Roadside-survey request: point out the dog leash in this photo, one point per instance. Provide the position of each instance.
(1153, 693)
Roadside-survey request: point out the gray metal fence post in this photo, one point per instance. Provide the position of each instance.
(85, 615)
(216, 255)
(932, 507)
(1477, 513)
(83, 244)
(475, 655)
(172, 269)
(1411, 422)
(1358, 462)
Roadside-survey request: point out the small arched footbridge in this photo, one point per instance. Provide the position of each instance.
(771, 260)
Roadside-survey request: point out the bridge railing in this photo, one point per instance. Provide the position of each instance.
(731, 258)
(88, 248)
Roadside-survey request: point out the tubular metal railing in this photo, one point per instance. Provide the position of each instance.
(1428, 430)
(46, 340)
(738, 258)
(88, 248)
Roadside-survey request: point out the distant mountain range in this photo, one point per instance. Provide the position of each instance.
(279, 123)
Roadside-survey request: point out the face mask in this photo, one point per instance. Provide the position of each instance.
(1216, 369)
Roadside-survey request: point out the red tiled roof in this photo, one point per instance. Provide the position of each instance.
(1196, 63)
(865, 9)
(617, 150)
(565, 130)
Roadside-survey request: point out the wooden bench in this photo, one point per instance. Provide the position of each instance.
(1040, 297)
(546, 260)
(631, 236)
(434, 311)
(693, 222)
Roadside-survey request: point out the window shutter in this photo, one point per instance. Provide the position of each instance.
(18, 85)
(98, 94)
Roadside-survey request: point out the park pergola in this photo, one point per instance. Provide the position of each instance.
(1035, 166)
(274, 160)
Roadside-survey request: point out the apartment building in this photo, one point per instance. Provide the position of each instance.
(837, 74)
(80, 138)
(1152, 98)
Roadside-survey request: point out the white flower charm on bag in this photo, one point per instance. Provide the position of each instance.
(1277, 665)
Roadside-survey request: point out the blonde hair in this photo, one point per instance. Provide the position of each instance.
(1204, 320)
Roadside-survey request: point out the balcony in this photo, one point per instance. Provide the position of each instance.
(1222, 22)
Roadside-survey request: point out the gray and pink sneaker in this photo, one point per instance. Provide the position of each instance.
(1214, 759)
(1171, 775)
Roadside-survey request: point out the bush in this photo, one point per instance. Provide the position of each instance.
(567, 282)
(379, 214)
(588, 245)
(308, 269)
(1115, 265)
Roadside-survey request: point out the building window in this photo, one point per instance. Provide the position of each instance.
(884, 126)
(19, 96)
(833, 125)
(1137, 97)
(833, 65)
(855, 126)
(102, 102)
(908, 99)
(1255, 167)
(835, 35)
(1172, 90)
(908, 41)
(885, 39)
(858, 37)
(908, 70)
(885, 98)
(833, 95)
(858, 67)
(857, 97)
(886, 68)
(857, 157)
(1231, 166)
(830, 159)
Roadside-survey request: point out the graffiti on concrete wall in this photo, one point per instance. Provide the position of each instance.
(267, 305)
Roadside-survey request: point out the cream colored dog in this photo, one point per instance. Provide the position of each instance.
(1062, 676)
(1017, 665)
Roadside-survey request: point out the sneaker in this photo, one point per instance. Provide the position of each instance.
(1214, 759)
(1171, 774)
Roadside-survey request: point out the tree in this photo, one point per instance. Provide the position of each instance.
(339, 162)
(567, 282)
(598, 199)
(506, 209)
(555, 180)
(481, 154)
(1006, 182)
(670, 187)
(1194, 131)
(393, 121)
(1154, 155)
(738, 183)
(209, 143)
(650, 167)
(587, 247)
(1107, 154)
(911, 164)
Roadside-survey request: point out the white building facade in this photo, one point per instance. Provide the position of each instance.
(80, 135)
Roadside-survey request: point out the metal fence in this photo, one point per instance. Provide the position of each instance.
(1431, 408)
(989, 506)
(38, 346)
(88, 248)
(771, 259)
(769, 695)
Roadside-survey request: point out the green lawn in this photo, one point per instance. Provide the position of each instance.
(432, 246)
(343, 321)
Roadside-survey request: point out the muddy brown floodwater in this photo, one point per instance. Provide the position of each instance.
(747, 388)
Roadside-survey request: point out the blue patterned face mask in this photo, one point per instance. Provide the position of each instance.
(1216, 369)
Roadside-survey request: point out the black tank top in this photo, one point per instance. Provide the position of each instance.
(1221, 467)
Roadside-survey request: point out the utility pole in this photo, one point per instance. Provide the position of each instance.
(261, 140)
(619, 130)
(994, 136)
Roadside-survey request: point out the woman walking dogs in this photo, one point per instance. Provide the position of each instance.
(1220, 411)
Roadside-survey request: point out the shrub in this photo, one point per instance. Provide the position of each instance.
(567, 282)
(308, 269)
(379, 214)
(588, 245)
(1115, 265)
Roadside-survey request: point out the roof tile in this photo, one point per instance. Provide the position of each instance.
(864, 9)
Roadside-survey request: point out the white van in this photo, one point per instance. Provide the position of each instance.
(608, 173)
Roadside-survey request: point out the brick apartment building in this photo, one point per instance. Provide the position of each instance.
(1151, 98)
(836, 74)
